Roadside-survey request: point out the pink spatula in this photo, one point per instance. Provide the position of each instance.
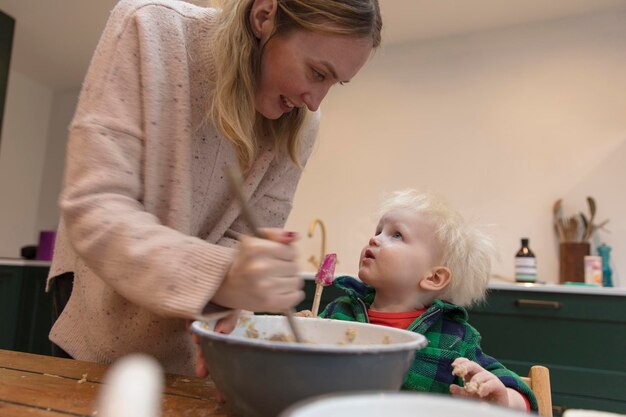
(323, 278)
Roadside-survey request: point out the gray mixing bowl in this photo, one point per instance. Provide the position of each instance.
(260, 377)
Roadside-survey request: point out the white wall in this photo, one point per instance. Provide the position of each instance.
(502, 123)
(63, 107)
(22, 155)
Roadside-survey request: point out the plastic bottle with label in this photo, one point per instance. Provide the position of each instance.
(604, 251)
(525, 264)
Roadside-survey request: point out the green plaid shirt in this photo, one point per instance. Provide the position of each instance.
(449, 336)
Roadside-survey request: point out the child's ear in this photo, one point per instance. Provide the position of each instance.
(262, 16)
(437, 279)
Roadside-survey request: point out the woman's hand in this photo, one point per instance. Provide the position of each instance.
(483, 385)
(264, 274)
(225, 325)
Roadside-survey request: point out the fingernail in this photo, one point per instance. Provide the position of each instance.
(291, 234)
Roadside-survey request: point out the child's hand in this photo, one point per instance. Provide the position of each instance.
(479, 383)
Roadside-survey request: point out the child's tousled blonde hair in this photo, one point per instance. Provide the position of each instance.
(466, 250)
(238, 60)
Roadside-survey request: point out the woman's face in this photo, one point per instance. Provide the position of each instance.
(298, 69)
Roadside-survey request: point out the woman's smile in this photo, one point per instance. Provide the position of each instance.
(286, 104)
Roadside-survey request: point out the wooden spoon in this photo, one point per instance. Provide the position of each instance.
(235, 183)
(573, 228)
(592, 213)
(557, 219)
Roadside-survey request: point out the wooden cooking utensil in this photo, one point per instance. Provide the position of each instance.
(592, 214)
(235, 183)
(557, 219)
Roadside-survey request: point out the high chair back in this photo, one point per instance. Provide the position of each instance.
(539, 382)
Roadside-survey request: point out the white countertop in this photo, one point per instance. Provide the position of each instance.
(23, 262)
(563, 289)
(493, 285)
(554, 288)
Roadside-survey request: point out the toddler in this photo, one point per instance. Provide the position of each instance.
(418, 272)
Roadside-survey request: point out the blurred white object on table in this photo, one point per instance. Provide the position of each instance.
(384, 404)
(590, 413)
(133, 388)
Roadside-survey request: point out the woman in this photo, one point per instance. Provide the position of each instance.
(175, 94)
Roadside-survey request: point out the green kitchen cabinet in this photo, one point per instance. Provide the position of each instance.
(25, 307)
(328, 295)
(580, 337)
(7, 30)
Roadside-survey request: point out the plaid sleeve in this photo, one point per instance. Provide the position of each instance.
(509, 378)
(339, 309)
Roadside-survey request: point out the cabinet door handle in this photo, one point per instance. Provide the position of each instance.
(555, 305)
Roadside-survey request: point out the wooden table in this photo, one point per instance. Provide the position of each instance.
(36, 385)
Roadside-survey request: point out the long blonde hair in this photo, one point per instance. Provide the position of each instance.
(466, 249)
(238, 60)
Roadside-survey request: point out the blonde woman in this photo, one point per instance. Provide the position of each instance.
(150, 233)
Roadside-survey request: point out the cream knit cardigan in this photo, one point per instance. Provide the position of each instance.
(147, 215)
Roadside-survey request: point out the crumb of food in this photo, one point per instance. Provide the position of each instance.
(350, 334)
(472, 387)
(52, 375)
(243, 320)
(281, 337)
(341, 343)
(460, 371)
(304, 313)
(386, 340)
(185, 380)
(252, 332)
(82, 380)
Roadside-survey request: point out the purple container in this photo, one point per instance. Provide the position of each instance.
(46, 245)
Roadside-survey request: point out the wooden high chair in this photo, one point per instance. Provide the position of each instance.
(539, 382)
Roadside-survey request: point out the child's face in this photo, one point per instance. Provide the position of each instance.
(402, 252)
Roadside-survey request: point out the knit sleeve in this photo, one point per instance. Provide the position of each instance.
(154, 266)
(509, 378)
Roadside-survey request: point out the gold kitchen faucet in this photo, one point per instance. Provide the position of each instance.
(315, 262)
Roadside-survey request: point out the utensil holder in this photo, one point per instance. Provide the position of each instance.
(572, 261)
